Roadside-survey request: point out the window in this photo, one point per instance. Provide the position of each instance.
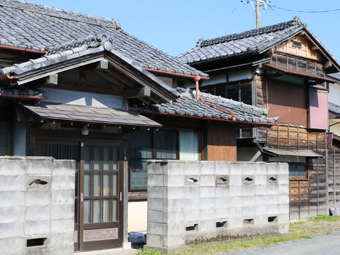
(159, 144)
(297, 170)
(238, 92)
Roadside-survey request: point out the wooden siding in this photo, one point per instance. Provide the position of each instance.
(308, 196)
(221, 142)
(334, 177)
(287, 101)
(306, 50)
(261, 91)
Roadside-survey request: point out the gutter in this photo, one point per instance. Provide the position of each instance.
(5, 47)
(5, 77)
(175, 74)
(197, 79)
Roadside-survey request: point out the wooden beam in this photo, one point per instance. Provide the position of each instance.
(137, 92)
(328, 64)
(314, 47)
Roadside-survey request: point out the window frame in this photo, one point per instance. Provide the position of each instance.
(296, 177)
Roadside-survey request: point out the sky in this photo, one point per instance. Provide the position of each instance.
(175, 26)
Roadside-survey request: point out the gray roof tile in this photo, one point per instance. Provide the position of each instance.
(34, 26)
(189, 106)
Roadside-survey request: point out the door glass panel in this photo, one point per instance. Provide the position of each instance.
(54, 151)
(87, 158)
(106, 158)
(96, 211)
(114, 183)
(114, 158)
(96, 158)
(96, 184)
(114, 210)
(87, 185)
(106, 185)
(87, 214)
(106, 210)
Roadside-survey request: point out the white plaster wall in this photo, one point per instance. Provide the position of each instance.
(82, 98)
(137, 216)
(334, 92)
(335, 128)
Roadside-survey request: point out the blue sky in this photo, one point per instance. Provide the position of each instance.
(174, 26)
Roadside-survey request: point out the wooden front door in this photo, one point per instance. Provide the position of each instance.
(98, 211)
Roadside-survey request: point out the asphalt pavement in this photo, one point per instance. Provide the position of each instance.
(326, 244)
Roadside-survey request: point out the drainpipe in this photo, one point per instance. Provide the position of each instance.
(22, 49)
(5, 77)
(197, 79)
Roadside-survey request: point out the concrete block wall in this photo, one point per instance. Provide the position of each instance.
(36, 206)
(193, 202)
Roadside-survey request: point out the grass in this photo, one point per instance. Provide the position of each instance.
(314, 226)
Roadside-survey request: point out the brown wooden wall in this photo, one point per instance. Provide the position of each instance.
(308, 196)
(221, 142)
(334, 177)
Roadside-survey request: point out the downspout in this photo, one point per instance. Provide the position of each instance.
(197, 79)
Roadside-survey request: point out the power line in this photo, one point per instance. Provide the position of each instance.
(291, 10)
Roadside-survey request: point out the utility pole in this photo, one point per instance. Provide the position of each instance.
(258, 13)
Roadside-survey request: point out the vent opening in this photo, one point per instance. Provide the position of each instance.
(221, 224)
(191, 227)
(36, 242)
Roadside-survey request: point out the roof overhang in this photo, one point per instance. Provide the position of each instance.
(89, 114)
(289, 152)
(305, 75)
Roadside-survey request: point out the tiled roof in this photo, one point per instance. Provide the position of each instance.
(38, 27)
(90, 114)
(245, 42)
(187, 105)
(335, 76)
(291, 152)
(333, 108)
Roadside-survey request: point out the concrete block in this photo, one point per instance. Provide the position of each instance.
(12, 214)
(62, 251)
(248, 211)
(248, 168)
(208, 226)
(235, 191)
(284, 199)
(273, 190)
(61, 182)
(207, 180)
(192, 204)
(37, 250)
(12, 229)
(38, 197)
(235, 223)
(176, 229)
(284, 228)
(283, 189)
(12, 198)
(221, 202)
(12, 165)
(235, 168)
(176, 181)
(155, 204)
(37, 213)
(173, 241)
(235, 180)
(176, 193)
(155, 180)
(157, 228)
(261, 179)
(156, 192)
(38, 182)
(174, 217)
(39, 165)
(155, 240)
(222, 168)
(283, 168)
(208, 168)
(37, 227)
(235, 201)
(15, 245)
(156, 216)
(222, 191)
(207, 203)
(62, 211)
(62, 226)
(154, 168)
(260, 200)
(192, 192)
(248, 190)
(61, 240)
(272, 168)
(235, 212)
(207, 192)
(248, 201)
(207, 214)
(60, 197)
(191, 167)
(273, 210)
(222, 213)
(261, 210)
(12, 183)
(283, 179)
(176, 205)
(260, 169)
(272, 199)
(260, 189)
(64, 167)
(261, 220)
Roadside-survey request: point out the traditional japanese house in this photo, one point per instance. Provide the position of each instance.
(79, 87)
(281, 67)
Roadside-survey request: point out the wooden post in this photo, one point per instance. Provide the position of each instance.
(258, 13)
